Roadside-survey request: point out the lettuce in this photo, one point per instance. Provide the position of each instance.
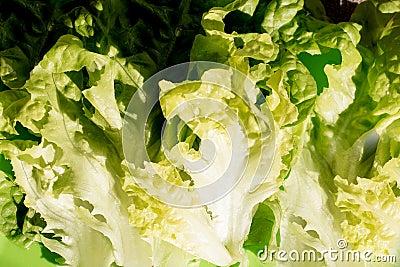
(305, 112)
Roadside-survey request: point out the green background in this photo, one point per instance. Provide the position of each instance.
(13, 256)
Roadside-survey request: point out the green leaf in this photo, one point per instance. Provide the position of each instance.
(18, 223)
(279, 14)
(389, 6)
(261, 229)
(14, 67)
(371, 218)
(11, 103)
(68, 70)
(73, 144)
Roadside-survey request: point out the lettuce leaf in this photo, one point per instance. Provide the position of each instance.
(71, 162)
(69, 71)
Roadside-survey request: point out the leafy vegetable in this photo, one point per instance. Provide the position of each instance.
(69, 70)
